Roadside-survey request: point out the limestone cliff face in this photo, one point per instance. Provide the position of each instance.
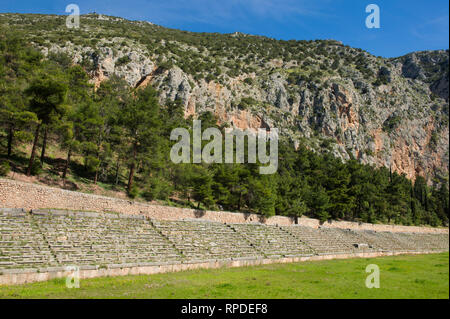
(384, 112)
(396, 125)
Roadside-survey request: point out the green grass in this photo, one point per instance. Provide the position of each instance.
(415, 276)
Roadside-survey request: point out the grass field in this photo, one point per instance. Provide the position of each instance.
(415, 276)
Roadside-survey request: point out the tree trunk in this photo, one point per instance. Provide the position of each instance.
(96, 175)
(132, 167)
(239, 202)
(117, 170)
(10, 139)
(33, 150)
(66, 167)
(130, 177)
(99, 163)
(44, 144)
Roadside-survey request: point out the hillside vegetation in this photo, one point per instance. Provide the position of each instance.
(97, 105)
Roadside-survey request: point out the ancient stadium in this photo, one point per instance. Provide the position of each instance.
(83, 230)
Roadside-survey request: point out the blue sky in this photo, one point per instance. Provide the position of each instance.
(406, 25)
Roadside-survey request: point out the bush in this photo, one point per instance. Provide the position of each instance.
(434, 141)
(123, 60)
(326, 143)
(133, 192)
(248, 81)
(292, 78)
(209, 78)
(391, 123)
(246, 103)
(158, 188)
(4, 168)
(92, 163)
(36, 168)
(61, 59)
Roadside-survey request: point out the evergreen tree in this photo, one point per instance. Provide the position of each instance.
(139, 116)
(47, 98)
(262, 195)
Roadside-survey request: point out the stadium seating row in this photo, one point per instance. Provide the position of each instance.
(50, 238)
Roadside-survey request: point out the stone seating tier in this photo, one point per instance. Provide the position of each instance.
(55, 238)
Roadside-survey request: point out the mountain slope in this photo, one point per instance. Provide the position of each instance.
(331, 97)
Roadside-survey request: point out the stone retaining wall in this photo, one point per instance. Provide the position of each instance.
(15, 194)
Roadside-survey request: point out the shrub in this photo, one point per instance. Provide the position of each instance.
(123, 60)
(384, 77)
(165, 65)
(248, 81)
(133, 192)
(327, 143)
(434, 141)
(36, 168)
(4, 168)
(209, 78)
(292, 78)
(158, 188)
(391, 123)
(61, 59)
(92, 163)
(246, 103)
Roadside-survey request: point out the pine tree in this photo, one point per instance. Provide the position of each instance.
(262, 195)
(202, 187)
(47, 98)
(319, 203)
(139, 116)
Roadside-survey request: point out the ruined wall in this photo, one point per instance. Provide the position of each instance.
(15, 194)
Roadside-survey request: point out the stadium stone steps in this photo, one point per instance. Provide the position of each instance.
(384, 241)
(204, 240)
(272, 241)
(22, 245)
(100, 239)
(324, 240)
(48, 239)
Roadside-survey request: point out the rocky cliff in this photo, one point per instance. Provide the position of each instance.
(329, 96)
